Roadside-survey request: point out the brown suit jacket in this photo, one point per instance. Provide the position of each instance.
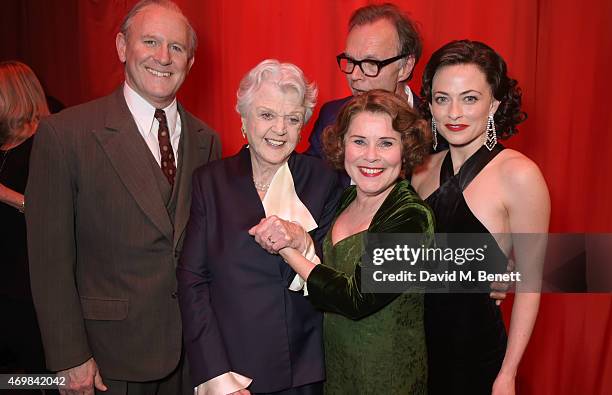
(102, 244)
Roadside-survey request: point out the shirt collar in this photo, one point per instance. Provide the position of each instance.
(410, 96)
(143, 111)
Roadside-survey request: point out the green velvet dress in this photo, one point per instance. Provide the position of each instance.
(374, 343)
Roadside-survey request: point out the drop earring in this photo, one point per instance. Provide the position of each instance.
(491, 135)
(434, 133)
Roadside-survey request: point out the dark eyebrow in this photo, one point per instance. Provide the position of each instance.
(461, 94)
(380, 138)
(471, 91)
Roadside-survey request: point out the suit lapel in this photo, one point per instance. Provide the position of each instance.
(192, 155)
(416, 101)
(127, 152)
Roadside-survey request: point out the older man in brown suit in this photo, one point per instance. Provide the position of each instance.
(107, 203)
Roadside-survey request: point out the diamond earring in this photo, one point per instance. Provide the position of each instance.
(434, 133)
(491, 135)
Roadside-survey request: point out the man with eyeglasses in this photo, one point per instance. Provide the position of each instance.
(382, 47)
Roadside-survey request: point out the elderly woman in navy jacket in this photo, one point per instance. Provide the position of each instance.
(246, 326)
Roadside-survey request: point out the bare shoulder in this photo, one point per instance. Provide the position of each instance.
(524, 191)
(518, 171)
(427, 171)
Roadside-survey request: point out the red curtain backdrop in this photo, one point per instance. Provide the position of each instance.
(559, 50)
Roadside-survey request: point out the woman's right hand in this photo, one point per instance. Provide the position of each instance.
(288, 239)
(273, 234)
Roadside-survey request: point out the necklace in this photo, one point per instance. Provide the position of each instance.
(260, 186)
(4, 156)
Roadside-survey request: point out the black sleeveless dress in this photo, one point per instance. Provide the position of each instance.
(466, 337)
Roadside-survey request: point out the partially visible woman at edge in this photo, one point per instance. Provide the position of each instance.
(477, 186)
(374, 342)
(22, 105)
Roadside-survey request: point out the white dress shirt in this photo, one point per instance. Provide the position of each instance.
(143, 113)
(410, 96)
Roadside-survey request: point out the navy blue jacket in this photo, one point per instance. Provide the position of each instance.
(327, 116)
(238, 313)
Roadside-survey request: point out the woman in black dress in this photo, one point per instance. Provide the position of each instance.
(22, 104)
(477, 186)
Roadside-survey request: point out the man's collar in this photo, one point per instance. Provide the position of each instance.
(143, 111)
(409, 95)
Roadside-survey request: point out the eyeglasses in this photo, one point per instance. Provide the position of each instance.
(369, 67)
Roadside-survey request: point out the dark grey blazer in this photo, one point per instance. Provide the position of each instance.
(103, 242)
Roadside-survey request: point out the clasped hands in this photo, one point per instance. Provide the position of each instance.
(274, 233)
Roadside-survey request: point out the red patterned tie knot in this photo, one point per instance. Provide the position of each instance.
(168, 165)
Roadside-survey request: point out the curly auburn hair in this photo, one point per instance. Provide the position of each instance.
(416, 136)
(504, 88)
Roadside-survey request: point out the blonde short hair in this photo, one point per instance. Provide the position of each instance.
(22, 99)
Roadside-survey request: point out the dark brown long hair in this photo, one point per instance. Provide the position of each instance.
(504, 88)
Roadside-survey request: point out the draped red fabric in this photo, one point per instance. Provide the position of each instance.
(559, 50)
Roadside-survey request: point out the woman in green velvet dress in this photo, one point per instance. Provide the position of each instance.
(374, 342)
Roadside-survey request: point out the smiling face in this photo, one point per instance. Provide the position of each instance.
(272, 124)
(378, 41)
(461, 103)
(155, 54)
(372, 153)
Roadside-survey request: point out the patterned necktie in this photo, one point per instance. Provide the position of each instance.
(165, 148)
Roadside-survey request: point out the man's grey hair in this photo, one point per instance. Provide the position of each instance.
(410, 42)
(285, 75)
(169, 5)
